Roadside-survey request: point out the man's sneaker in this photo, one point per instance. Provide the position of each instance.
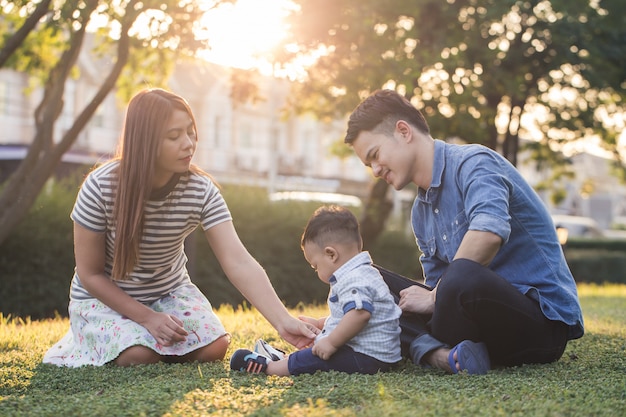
(263, 348)
(247, 361)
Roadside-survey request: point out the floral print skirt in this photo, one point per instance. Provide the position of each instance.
(99, 334)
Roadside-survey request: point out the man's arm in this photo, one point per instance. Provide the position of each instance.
(480, 247)
(477, 246)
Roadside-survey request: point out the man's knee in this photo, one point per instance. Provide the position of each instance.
(461, 276)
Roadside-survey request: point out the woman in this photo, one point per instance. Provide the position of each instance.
(131, 298)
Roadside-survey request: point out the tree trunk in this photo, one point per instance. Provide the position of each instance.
(376, 212)
(24, 185)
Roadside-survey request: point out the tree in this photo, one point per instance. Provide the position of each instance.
(13, 42)
(44, 39)
(480, 70)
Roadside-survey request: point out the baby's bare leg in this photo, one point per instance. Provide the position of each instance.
(279, 368)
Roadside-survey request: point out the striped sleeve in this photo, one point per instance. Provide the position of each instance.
(90, 207)
(214, 210)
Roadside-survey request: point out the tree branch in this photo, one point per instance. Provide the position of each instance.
(16, 40)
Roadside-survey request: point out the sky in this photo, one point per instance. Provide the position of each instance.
(240, 33)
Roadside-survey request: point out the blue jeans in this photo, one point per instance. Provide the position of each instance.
(344, 360)
(474, 303)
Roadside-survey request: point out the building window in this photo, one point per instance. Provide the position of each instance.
(245, 138)
(4, 97)
(309, 146)
(217, 133)
(97, 120)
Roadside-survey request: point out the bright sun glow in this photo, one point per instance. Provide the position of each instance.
(242, 34)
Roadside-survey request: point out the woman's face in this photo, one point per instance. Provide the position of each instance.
(176, 148)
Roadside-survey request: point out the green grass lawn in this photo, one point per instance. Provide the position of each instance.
(589, 380)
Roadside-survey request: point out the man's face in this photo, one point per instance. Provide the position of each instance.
(387, 155)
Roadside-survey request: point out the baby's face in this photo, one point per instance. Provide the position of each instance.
(320, 259)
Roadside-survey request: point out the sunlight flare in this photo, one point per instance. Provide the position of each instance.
(243, 34)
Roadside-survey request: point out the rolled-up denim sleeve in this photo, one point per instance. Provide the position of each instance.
(486, 191)
(487, 223)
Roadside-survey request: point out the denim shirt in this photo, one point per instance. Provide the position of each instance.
(475, 188)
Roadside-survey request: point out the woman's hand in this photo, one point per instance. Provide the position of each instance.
(297, 332)
(318, 323)
(166, 329)
(415, 299)
(245, 273)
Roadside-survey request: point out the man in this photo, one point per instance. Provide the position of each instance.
(498, 289)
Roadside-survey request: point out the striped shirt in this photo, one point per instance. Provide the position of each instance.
(161, 267)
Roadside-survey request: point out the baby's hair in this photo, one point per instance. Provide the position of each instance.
(332, 224)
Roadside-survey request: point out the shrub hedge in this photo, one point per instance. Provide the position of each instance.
(36, 262)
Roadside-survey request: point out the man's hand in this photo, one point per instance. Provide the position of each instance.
(415, 299)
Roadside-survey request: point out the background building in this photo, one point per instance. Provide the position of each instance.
(255, 143)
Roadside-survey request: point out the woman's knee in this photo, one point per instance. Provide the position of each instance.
(137, 355)
(212, 352)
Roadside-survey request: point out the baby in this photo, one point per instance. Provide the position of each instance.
(362, 332)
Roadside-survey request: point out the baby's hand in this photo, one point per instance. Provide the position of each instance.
(323, 349)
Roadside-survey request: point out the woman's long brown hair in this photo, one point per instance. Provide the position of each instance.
(146, 120)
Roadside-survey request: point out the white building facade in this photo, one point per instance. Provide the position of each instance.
(253, 143)
(238, 142)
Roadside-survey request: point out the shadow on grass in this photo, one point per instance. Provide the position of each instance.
(110, 390)
(587, 380)
(567, 387)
